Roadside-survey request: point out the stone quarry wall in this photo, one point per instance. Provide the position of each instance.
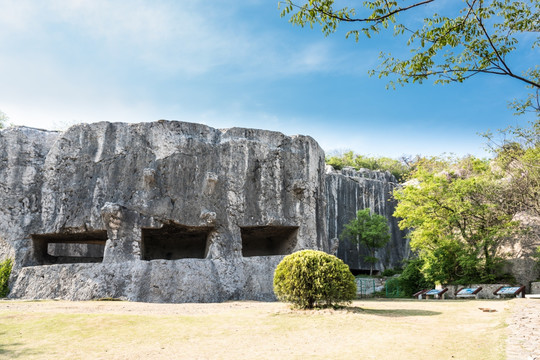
(348, 191)
(163, 211)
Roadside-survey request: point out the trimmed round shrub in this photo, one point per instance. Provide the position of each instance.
(5, 271)
(308, 278)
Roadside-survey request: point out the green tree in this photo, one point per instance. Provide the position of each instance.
(458, 215)
(370, 230)
(448, 47)
(412, 279)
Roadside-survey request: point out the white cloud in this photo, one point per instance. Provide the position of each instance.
(116, 21)
(313, 57)
(90, 60)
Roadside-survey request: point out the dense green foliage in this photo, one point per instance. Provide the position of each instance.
(392, 289)
(412, 279)
(458, 213)
(455, 43)
(369, 230)
(409, 281)
(399, 168)
(5, 272)
(461, 210)
(308, 278)
(391, 272)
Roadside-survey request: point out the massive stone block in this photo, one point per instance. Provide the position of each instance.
(163, 211)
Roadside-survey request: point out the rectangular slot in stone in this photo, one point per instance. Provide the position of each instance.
(268, 240)
(69, 248)
(172, 242)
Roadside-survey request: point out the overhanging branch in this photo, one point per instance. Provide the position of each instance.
(375, 19)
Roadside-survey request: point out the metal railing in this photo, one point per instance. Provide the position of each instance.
(365, 286)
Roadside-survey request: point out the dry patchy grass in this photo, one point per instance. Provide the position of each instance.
(370, 329)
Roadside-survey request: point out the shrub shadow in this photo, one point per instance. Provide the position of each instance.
(391, 312)
(13, 351)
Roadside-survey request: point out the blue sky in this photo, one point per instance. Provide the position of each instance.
(230, 63)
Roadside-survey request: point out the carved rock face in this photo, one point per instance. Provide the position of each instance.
(165, 194)
(348, 191)
(185, 174)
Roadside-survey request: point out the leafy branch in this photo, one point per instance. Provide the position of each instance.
(446, 48)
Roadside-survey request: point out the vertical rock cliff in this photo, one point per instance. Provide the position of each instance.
(348, 191)
(23, 152)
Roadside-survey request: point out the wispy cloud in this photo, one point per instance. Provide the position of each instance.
(224, 63)
(193, 38)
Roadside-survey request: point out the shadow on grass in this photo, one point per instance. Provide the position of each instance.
(15, 350)
(391, 312)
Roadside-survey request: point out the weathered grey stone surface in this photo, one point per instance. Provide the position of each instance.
(349, 191)
(181, 212)
(22, 155)
(186, 280)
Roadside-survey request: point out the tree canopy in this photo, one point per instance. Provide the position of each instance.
(459, 215)
(468, 38)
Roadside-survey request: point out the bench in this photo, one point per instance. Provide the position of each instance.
(420, 294)
(532, 296)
